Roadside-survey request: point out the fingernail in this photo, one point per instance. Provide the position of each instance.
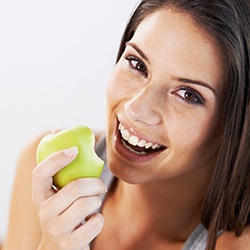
(70, 152)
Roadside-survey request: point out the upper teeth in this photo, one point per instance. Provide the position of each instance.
(134, 140)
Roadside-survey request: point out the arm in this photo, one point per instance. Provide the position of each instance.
(23, 222)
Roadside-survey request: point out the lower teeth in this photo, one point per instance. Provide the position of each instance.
(132, 150)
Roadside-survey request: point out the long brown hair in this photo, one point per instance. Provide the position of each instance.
(226, 203)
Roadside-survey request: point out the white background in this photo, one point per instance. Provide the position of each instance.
(55, 59)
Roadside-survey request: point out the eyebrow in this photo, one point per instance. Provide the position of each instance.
(139, 51)
(200, 83)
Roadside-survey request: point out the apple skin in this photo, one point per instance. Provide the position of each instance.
(86, 164)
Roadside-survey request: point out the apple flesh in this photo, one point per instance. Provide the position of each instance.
(86, 164)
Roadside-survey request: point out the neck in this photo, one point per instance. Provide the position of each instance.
(171, 208)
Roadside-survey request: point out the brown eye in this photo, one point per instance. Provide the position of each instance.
(190, 96)
(138, 65)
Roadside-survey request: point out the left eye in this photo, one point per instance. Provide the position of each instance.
(190, 96)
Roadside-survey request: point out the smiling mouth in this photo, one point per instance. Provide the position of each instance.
(137, 145)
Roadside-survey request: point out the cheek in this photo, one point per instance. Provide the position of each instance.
(114, 86)
(119, 86)
(114, 96)
(201, 140)
(199, 137)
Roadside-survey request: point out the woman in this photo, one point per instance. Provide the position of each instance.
(177, 142)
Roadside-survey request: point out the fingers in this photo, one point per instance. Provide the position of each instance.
(83, 235)
(66, 230)
(74, 194)
(42, 174)
(74, 190)
(89, 230)
(70, 220)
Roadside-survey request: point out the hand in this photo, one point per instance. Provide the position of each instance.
(61, 212)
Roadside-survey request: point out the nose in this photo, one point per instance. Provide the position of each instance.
(144, 107)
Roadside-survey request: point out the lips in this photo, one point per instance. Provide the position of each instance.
(136, 145)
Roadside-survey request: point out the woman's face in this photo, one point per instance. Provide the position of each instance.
(163, 101)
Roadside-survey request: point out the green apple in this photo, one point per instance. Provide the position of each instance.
(86, 164)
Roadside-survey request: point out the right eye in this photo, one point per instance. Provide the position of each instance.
(137, 64)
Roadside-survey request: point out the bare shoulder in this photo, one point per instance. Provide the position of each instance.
(228, 241)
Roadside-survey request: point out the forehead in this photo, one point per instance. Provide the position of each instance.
(166, 25)
(172, 38)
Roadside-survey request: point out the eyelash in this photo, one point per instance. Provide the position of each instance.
(141, 68)
(198, 99)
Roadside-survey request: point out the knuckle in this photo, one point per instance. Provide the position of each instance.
(101, 185)
(77, 243)
(54, 159)
(35, 173)
(97, 202)
(98, 222)
(43, 216)
(82, 205)
(74, 189)
(64, 244)
(88, 205)
(54, 231)
(73, 244)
